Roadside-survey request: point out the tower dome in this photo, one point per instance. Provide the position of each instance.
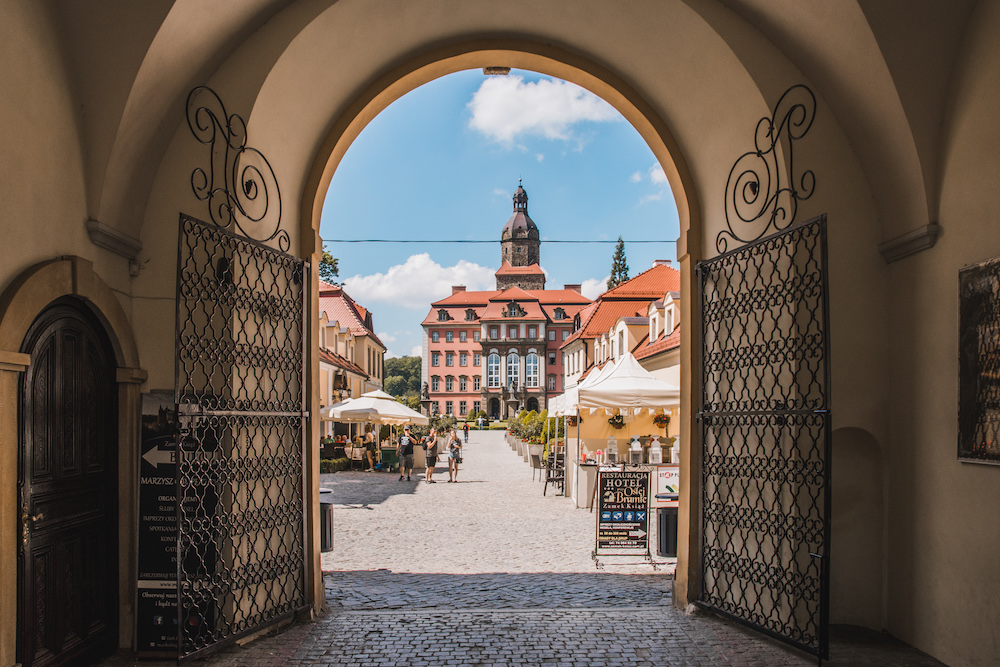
(520, 226)
(519, 248)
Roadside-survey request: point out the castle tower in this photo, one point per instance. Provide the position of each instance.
(519, 249)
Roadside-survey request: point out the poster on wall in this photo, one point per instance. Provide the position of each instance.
(622, 513)
(979, 363)
(156, 604)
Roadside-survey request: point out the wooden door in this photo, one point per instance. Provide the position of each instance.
(68, 574)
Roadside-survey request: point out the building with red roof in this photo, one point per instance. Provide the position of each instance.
(498, 350)
(619, 321)
(351, 356)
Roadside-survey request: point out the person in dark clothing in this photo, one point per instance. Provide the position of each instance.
(431, 447)
(405, 452)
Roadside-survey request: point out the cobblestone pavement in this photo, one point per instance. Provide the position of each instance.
(489, 572)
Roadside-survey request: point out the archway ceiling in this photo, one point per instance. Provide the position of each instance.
(885, 69)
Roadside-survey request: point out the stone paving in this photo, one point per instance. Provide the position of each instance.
(488, 572)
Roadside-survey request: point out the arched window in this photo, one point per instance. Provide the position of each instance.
(513, 369)
(493, 370)
(531, 370)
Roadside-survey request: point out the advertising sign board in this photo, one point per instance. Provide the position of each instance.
(156, 606)
(667, 486)
(623, 513)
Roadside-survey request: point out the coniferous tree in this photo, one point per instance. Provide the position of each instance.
(619, 267)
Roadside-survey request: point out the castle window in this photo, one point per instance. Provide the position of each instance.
(493, 370)
(531, 370)
(470, 315)
(463, 336)
(463, 383)
(449, 336)
(435, 336)
(435, 383)
(560, 314)
(442, 315)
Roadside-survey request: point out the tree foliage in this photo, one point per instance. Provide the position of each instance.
(402, 376)
(328, 267)
(619, 266)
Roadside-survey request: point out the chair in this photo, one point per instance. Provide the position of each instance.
(555, 473)
(536, 464)
(357, 454)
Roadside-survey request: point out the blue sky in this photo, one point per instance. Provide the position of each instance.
(443, 162)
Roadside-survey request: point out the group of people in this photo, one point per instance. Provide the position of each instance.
(430, 444)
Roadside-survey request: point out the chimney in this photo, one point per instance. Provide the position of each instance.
(661, 262)
(574, 288)
(455, 289)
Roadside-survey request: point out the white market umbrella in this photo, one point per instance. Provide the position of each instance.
(377, 407)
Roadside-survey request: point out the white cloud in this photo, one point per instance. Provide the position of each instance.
(500, 192)
(385, 337)
(417, 282)
(594, 287)
(539, 156)
(389, 354)
(657, 176)
(506, 107)
(416, 351)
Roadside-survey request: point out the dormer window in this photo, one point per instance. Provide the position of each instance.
(470, 315)
(669, 320)
(560, 314)
(654, 332)
(576, 323)
(442, 315)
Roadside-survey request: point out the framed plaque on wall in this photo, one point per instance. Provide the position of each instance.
(979, 363)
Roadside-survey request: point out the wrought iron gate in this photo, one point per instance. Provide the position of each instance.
(766, 435)
(241, 409)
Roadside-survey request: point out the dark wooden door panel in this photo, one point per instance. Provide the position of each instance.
(68, 583)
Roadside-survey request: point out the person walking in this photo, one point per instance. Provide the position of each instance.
(370, 447)
(404, 450)
(431, 449)
(465, 428)
(454, 455)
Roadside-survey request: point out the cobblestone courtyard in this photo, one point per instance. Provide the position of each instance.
(489, 572)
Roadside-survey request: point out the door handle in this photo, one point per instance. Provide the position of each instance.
(25, 518)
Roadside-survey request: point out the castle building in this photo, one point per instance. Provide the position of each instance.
(498, 351)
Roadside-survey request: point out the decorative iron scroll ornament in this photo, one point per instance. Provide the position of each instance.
(755, 190)
(240, 186)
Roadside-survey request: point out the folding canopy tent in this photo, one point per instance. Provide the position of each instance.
(623, 385)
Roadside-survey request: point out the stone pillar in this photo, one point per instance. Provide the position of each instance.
(129, 443)
(12, 364)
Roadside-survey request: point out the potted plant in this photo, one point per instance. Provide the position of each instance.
(661, 420)
(617, 421)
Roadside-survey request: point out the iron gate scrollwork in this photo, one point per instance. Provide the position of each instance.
(765, 424)
(242, 412)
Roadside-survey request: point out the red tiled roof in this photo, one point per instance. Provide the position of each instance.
(496, 309)
(661, 344)
(483, 303)
(335, 359)
(629, 299)
(339, 307)
(649, 285)
(507, 270)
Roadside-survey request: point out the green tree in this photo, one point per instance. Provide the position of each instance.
(619, 267)
(402, 376)
(328, 269)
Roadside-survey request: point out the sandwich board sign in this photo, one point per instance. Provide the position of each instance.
(622, 513)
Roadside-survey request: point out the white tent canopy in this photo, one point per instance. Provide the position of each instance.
(629, 385)
(621, 385)
(376, 407)
(568, 402)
